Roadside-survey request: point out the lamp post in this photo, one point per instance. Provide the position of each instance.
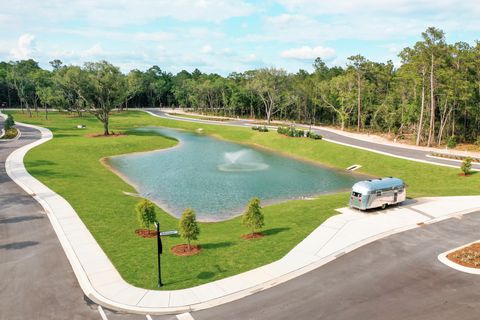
(159, 252)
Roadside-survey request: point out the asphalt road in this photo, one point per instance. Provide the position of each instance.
(392, 150)
(398, 277)
(36, 279)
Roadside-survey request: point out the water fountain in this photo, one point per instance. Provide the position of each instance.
(242, 160)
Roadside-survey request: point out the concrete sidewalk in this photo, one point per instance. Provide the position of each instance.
(340, 234)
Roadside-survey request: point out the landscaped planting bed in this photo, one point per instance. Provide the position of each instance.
(454, 157)
(467, 256)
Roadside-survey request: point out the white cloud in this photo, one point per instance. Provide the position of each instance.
(93, 52)
(152, 36)
(206, 49)
(309, 53)
(25, 47)
(114, 13)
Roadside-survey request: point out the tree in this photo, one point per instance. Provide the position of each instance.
(103, 88)
(253, 216)
(358, 65)
(269, 85)
(466, 166)
(434, 41)
(188, 226)
(9, 122)
(146, 215)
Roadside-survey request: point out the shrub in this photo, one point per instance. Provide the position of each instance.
(452, 142)
(9, 123)
(260, 128)
(146, 215)
(466, 165)
(313, 135)
(253, 216)
(188, 226)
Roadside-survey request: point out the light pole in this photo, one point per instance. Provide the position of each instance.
(159, 252)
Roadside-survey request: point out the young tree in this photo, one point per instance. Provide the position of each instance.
(253, 216)
(146, 215)
(188, 226)
(466, 166)
(9, 123)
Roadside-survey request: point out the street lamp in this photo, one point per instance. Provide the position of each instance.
(159, 252)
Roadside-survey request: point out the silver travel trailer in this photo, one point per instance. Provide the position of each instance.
(377, 193)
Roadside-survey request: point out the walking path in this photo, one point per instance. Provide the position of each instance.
(338, 235)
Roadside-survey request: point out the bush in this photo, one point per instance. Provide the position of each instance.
(146, 215)
(253, 216)
(313, 135)
(452, 142)
(466, 166)
(188, 226)
(260, 128)
(9, 123)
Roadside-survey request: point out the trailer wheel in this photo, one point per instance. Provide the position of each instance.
(384, 206)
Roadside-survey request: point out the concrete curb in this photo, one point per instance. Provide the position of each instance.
(442, 257)
(101, 282)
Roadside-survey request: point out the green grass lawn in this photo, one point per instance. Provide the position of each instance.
(69, 164)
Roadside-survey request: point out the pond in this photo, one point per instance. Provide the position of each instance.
(217, 178)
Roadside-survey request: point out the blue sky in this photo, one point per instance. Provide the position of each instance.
(225, 36)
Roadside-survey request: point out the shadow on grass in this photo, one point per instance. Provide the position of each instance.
(36, 163)
(274, 231)
(216, 245)
(210, 274)
(205, 275)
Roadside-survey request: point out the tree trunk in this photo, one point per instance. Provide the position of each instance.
(46, 112)
(359, 102)
(431, 129)
(105, 126)
(420, 123)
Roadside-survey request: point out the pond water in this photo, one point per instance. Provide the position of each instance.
(217, 178)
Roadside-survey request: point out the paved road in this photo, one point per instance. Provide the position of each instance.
(335, 137)
(398, 277)
(36, 279)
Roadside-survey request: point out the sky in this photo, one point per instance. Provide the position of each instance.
(224, 36)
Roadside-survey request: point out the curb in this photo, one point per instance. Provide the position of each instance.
(442, 257)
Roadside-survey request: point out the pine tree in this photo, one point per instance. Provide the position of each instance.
(253, 216)
(188, 226)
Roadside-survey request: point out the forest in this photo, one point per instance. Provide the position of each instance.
(431, 99)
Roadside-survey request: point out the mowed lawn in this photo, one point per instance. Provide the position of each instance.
(70, 165)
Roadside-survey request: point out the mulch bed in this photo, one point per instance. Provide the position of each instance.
(101, 135)
(255, 235)
(467, 256)
(461, 174)
(182, 250)
(145, 233)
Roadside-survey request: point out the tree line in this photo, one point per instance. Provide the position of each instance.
(431, 98)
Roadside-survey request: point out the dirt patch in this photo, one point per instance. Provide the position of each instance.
(101, 135)
(254, 235)
(467, 256)
(461, 174)
(182, 250)
(146, 233)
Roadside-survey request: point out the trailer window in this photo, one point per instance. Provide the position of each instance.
(356, 194)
